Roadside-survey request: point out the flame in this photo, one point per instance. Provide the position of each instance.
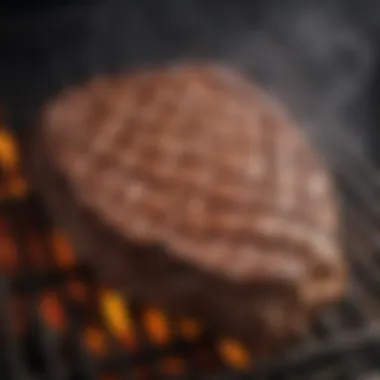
(95, 341)
(156, 325)
(64, 253)
(52, 311)
(234, 354)
(9, 154)
(16, 186)
(117, 316)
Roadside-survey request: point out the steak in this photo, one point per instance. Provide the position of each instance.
(189, 187)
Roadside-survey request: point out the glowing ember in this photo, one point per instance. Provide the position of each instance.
(52, 311)
(118, 317)
(156, 325)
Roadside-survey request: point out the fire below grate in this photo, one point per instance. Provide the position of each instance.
(58, 323)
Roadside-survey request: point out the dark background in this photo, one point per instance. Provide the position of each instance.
(321, 58)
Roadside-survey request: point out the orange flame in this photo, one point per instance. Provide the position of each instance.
(156, 326)
(63, 251)
(95, 341)
(234, 354)
(52, 311)
(118, 318)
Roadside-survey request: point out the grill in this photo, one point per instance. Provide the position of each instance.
(58, 323)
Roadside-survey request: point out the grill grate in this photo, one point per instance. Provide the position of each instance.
(58, 323)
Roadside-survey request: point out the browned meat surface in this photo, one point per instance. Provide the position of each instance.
(189, 187)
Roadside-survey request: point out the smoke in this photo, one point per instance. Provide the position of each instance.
(320, 58)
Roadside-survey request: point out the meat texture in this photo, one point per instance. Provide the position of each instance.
(187, 186)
